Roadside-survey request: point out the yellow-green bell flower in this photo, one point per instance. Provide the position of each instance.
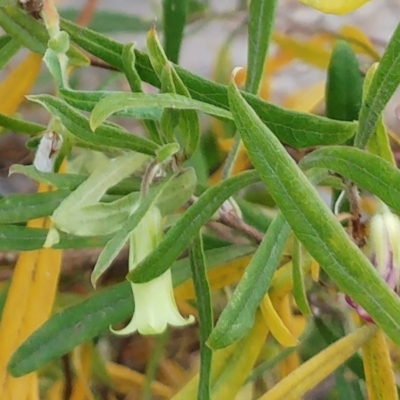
(383, 250)
(155, 305)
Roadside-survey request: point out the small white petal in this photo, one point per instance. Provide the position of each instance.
(49, 146)
(155, 307)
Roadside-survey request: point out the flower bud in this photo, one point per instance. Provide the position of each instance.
(383, 250)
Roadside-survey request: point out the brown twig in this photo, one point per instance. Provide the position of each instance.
(231, 220)
(68, 376)
(95, 62)
(356, 227)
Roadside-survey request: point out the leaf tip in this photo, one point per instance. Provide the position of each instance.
(235, 72)
(93, 123)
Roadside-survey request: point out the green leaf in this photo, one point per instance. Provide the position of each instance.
(261, 23)
(379, 142)
(344, 84)
(312, 222)
(179, 236)
(31, 34)
(383, 85)
(255, 215)
(22, 207)
(299, 290)
(24, 29)
(174, 21)
(89, 318)
(114, 246)
(21, 238)
(87, 100)
(239, 315)
(9, 47)
(106, 135)
(19, 126)
(99, 45)
(71, 327)
(366, 170)
(131, 101)
(108, 21)
(206, 319)
(72, 181)
(296, 129)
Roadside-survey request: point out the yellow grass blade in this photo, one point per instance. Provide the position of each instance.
(82, 362)
(335, 7)
(56, 391)
(295, 326)
(311, 51)
(315, 270)
(18, 83)
(359, 41)
(219, 277)
(306, 99)
(28, 305)
(238, 369)
(125, 380)
(275, 324)
(304, 378)
(380, 379)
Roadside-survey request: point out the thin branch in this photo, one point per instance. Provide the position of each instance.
(231, 220)
(95, 62)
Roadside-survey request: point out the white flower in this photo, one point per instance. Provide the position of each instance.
(383, 250)
(155, 305)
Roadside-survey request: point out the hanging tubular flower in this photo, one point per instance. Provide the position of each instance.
(383, 249)
(155, 305)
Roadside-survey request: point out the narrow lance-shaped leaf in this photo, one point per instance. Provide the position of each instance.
(21, 207)
(135, 83)
(19, 126)
(171, 82)
(91, 217)
(22, 238)
(384, 83)
(261, 23)
(31, 34)
(178, 237)
(238, 316)
(379, 142)
(296, 385)
(344, 84)
(78, 125)
(366, 170)
(312, 221)
(174, 20)
(129, 102)
(293, 128)
(72, 181)
(204, 306)
(7, 50)
(93, 316)
(299, 290)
